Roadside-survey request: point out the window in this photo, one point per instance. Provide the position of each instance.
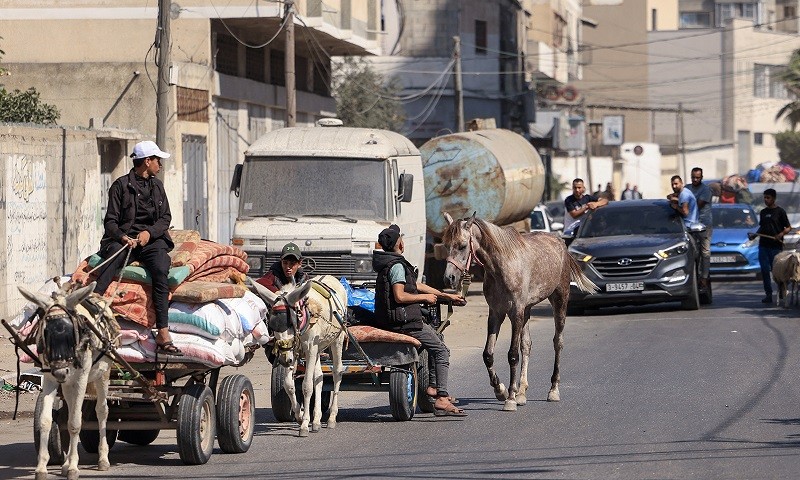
(277, 73)
(254, 64)
(695, 20)
(653, 19)
(758, 138)
(227, 58)
(559, 27)
(481, 40)
(767, 82)
(192, 104)
(322, 77)
(301, 73)
(745, 10)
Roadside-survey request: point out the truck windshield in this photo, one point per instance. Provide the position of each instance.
(321, 186)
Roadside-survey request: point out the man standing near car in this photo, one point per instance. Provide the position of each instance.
(683, 201)
(702, 194)
(772, 226)
(577, 204)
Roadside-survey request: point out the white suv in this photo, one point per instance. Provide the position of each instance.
(541, 221)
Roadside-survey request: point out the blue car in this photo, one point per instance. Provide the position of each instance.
(732, 253)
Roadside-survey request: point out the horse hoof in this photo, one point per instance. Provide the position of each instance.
(41, 476)
(500, 392)
(303, 432)
(553, 396)
(510, 406)
(316, 427)
(331, 424)
(521, 399)
(73, 475)
(103, 466)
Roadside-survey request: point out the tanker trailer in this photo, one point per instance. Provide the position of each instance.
(495, 173)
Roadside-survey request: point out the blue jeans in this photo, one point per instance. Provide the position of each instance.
(765, 258)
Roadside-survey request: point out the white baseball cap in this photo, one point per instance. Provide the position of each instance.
(146, 149)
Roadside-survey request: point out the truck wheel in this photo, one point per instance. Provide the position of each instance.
(138, 437)
(58, 440)
(236, 411)
(90, 439)
(423, 380)
(403, 392)
(281, 403)
(197, 424)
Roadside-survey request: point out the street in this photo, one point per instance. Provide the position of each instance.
(646, 392)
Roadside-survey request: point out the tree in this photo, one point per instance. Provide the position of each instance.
(791, 79)
(788, 144)
(364, 98)
(24, 107)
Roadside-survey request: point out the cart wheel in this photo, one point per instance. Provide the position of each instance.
(58, 442)
(197, 424)
(90, 439)
(138, 437)
(403, 393)
(236, 411)
(423, 380)
(281, 404)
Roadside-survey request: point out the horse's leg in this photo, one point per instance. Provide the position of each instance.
(525, 346)
(517, 325)
(494, 322)
(338, 371)
(74, 392)
(558, 299)
(312, 357)
(101, 409)
(316, 422)
(49, 390)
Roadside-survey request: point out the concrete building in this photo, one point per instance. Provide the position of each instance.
(95, 61)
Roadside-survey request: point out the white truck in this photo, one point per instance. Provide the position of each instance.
(330, 190)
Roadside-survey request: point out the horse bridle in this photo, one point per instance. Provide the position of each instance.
(78, 327)
(286, 344)
(464, 268)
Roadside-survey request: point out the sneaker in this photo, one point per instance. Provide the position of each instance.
(767, 299)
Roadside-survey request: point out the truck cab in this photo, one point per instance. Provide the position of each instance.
(330, 190)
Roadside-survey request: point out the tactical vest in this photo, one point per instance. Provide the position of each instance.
(389, 314)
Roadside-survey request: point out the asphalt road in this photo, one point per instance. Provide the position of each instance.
(647, 392)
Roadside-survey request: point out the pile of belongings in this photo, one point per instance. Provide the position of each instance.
(213, 317)
(732, 189)
(772, 172)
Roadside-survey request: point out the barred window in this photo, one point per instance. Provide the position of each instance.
(227, 55)
(192, 105)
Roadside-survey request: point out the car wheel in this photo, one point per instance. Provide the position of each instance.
(692, 302)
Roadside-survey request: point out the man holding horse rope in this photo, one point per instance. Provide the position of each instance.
(773, 225)
(398, 296)
(138, 217)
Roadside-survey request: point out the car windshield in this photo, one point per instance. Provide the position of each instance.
(733, 218)
(295, 187)
(537, 220)
(647, 220)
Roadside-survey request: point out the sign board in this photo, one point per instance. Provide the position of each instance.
(569, 133)
(613, 129)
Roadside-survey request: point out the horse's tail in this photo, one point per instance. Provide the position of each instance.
(581, 280)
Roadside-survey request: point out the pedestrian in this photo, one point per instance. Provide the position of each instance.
(637, 195)
(683, 201)
(398, 296)
(627, 194)
(286, 271)
(138, 217)
(577, 204)
(702, 193)
(772, 226)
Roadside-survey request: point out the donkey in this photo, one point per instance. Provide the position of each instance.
(303, 320)
(72, 357)
(521, 270)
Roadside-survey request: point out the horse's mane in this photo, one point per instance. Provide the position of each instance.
(495, 240)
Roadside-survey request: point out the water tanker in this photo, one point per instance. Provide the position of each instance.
(496, 173)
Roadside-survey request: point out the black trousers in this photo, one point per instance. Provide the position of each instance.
(154, 259)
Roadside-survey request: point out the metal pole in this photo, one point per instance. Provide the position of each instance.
(291, 93)
(162, 90)
(682, 140)
(459, 94)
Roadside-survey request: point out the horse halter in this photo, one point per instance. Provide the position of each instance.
(464, 268)
(293, 313)
(78, 327)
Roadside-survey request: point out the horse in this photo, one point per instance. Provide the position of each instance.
(521, 270)
(72, 357)
(320, 300)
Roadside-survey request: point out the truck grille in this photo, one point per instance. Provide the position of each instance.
(329, 263)
(624, 267)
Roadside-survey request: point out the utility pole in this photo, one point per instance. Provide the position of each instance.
(459, 93)
(291, 93)
(162, 89)
(681, 142)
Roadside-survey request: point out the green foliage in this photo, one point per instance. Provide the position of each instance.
(364, 98)
(25, 107)
(788, 144)
(791, 78)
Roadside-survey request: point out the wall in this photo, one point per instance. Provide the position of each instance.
(49, 206)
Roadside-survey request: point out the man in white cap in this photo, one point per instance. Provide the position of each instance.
(138, 217)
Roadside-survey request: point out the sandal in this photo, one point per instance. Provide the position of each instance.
(168, 348)
(451, 411)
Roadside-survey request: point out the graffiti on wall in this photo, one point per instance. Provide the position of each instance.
(25, 191)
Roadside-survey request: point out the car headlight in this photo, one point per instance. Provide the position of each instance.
(363, 265)
(255, 262)
(673, 251)
(580, 256)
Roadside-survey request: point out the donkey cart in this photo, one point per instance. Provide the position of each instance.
(185, 397)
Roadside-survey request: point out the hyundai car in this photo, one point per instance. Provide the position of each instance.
(732, 252)
(636, 252)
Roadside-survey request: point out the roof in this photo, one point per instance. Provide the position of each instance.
(335, 142)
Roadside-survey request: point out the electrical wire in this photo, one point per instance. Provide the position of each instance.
(280, 29)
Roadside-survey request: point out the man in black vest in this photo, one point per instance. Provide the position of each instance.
(398, 296)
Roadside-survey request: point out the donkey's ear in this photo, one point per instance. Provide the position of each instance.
(261, 291)
(79, 295)
(448, 218)
(300, 292)
(470, 221)
(40, 299)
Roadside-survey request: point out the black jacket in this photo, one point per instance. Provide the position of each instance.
(389, 314)
(275, 278)
(121, 211)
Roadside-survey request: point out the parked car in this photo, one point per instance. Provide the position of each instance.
(732, 252)
(636, 252)
(556, 209)
(542, 221)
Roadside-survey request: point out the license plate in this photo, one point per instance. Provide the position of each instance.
(723, 259)
(624, 287)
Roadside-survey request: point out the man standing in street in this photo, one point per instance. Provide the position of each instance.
(702, 193)
(627, 194)
(683, 201)
(772, 226)
(577, 204)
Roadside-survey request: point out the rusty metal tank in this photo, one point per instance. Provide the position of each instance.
(496, 173)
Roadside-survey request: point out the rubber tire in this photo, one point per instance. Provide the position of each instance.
(281, 403)
(403, 393)
(708, 296)
(692, 302)
(90, 439)
(58, 442)
(423, 380)
(229, 396)
(138, 437)
(195, 411)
